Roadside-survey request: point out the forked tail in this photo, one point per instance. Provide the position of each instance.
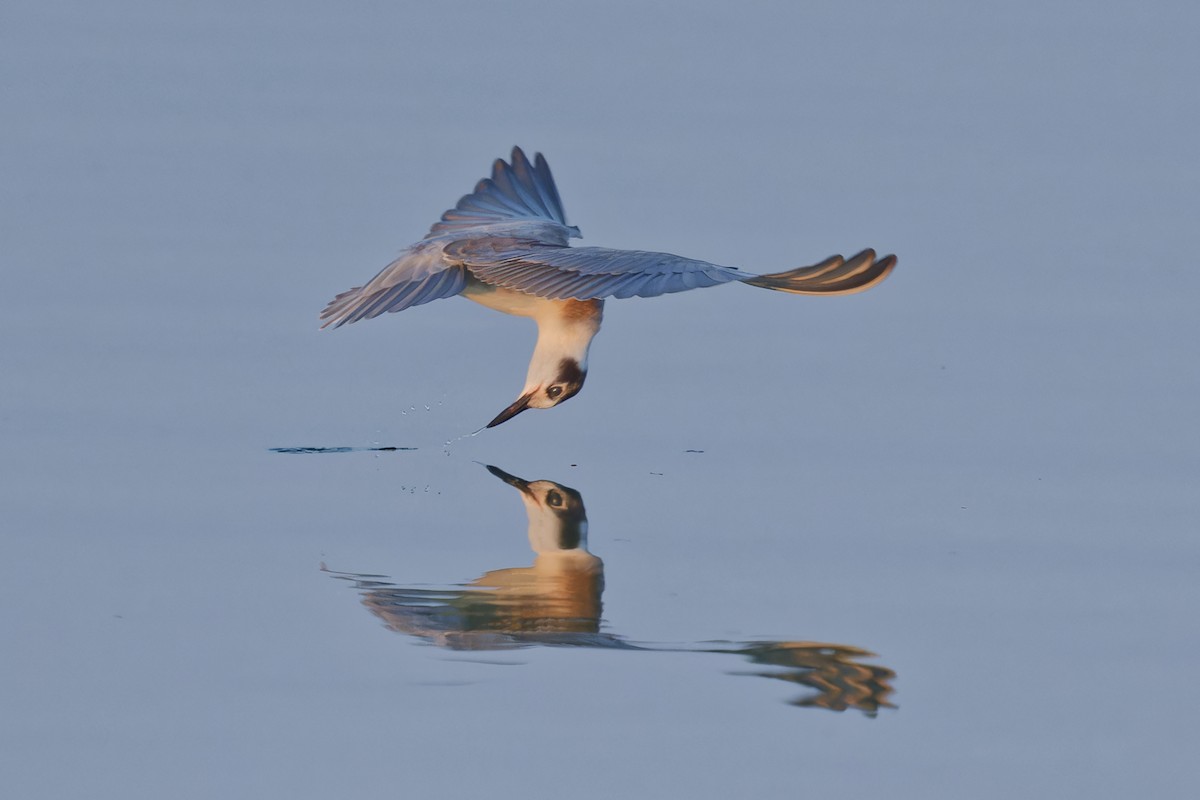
(834, 275)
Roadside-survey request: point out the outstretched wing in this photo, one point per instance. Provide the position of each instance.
(520, 199)
(583, 273)
(514, 192)
(417, 277)
(592, 273)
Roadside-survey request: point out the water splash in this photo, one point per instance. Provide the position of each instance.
(450, 442)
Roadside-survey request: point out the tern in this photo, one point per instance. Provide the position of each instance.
(506, 246)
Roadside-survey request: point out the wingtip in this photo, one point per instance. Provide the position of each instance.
(832, 276)
(516, 158)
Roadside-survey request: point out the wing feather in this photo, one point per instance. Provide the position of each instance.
(831, 276)
(516, 181)
(592, 273)
(379, 297)
(583, 273)
(515, 191)
(547, 188)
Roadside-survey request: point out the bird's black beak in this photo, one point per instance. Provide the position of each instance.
(510, 412)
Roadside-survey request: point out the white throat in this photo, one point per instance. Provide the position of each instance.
(563, 336)
(565, 328)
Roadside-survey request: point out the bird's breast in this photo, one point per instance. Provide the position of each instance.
(520, 304)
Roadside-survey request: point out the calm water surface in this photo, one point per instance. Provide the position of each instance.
(934, 540)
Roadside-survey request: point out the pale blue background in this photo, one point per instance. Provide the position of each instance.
(985, 470)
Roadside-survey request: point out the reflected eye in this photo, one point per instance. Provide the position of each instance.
(554, 391)
(554, 499)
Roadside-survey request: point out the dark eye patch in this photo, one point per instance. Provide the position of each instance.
(554, 499)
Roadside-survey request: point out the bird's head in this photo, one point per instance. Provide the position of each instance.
(557, 519)
(546, 388)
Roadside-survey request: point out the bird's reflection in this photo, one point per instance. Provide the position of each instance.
(557, 602)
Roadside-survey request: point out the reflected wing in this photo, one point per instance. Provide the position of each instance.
(583, 273)
(514, 192)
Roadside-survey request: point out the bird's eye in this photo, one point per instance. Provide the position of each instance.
(554, 499)
(554, 391)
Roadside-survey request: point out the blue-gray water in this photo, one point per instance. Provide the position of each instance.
(984, 471)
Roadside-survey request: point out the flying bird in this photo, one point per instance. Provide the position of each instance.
(506, 246)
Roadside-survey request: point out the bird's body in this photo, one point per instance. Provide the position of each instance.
(505, 246)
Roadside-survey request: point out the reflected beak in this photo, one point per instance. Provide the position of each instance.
(510, 412)
(511, 480)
